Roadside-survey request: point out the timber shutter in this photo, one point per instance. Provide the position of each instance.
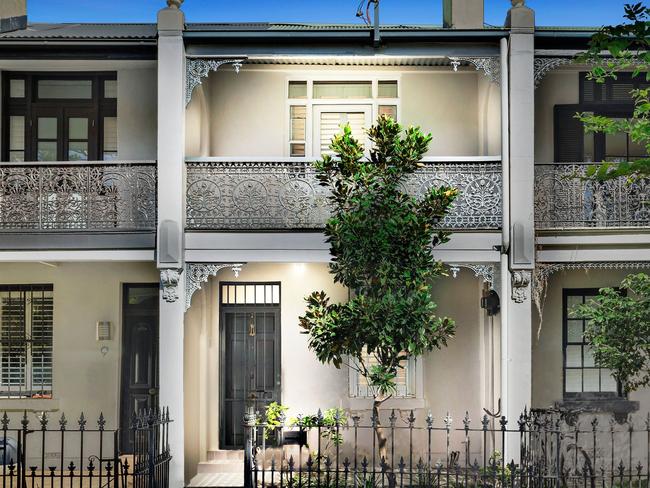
(568, 134)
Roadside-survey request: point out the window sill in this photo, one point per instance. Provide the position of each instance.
(29, 404)
(396, 403)
(620, 407)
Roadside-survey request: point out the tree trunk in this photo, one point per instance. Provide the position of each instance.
(382, 443)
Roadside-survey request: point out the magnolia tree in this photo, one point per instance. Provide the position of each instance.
(381, 242)
(618, 329)
(612, 50)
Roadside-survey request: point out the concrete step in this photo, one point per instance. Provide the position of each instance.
(221, 466)
(226, 454)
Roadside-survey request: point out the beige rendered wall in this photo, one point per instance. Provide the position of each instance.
(452, 378)
(84, 293)
(557, 88)
(136, 114)
(246, 114)
(547, 338)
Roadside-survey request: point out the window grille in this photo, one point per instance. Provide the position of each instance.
(405, 380)
(26, 330)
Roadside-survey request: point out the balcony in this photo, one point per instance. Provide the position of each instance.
(563, 201)
(283, 194)
(77, 198)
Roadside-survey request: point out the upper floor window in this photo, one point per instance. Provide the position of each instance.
(581, 373)
(59, 117)
(26, 329)
(318, 108)
(611, 99)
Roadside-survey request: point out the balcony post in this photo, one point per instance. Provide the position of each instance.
(516, 340)
(171, 211)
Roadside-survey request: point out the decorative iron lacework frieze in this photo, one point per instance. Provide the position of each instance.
(78, 197)
(287, 195)
(198, 273)
(542, 66)
(198, 68)
(563, 200)
(491, 66)
(487, 272)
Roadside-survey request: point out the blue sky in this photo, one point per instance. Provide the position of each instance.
(549, 12)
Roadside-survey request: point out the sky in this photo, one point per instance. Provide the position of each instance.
(549, 12)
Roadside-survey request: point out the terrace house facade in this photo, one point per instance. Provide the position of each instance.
(160, 221)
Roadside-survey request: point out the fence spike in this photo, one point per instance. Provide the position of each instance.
(411, 419)
(101, 422)
(82, 421)
(485, 422)
(71, 467)
(393, 418)
(448, 421)
(401, 465)
(621, 468)
(429, 420)
(503, 422)
(466, 421)
(5, 421)
(43, 420)
(63, 421)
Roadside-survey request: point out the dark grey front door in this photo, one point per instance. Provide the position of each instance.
(139, 355)
(250, 365)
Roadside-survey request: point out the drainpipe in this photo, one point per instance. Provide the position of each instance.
(376, 33)
(505, 212)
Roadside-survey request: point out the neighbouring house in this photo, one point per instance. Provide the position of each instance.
(161, 224)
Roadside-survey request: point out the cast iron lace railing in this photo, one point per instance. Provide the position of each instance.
(88, 196)
(250, 195)
(564, 201)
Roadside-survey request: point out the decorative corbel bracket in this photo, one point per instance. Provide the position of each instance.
(485, 271)
(491, 65)
(543, 66)
(520, 281)
(198, 68)
(198, 273)
(169, 279)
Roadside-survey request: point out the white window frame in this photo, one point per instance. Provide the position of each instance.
(311, 144)
(413, 388)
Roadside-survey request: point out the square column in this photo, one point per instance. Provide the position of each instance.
(171, 222)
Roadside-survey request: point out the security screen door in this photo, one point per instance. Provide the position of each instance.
(250, 354)
(328, 120)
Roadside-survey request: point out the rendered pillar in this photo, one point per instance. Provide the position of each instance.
(516, 378)
(171, 211)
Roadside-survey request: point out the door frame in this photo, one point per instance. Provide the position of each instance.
(246, 308)
(123, 351)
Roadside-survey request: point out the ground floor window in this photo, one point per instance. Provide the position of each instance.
(582, 376)
(26, 329)
(405, 381)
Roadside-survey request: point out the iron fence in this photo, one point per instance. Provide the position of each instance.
(89, 196)
(59, 453)
(564, 200)
(399, 449)
(285, 194)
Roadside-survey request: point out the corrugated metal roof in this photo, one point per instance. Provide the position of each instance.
(80, 32)
(268, 26)
(353, 60)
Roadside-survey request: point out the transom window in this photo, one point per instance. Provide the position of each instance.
(581, 374)
(59, 117)
(26, 329)
(318, 108)
(250, 293)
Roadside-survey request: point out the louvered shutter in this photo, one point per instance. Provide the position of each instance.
(41, 333)
(331, 123)
(569, 134)
(13, 351)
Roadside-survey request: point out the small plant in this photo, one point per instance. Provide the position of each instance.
(274, 415)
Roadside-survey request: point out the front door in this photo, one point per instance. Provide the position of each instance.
(250, 359)
(139, 355)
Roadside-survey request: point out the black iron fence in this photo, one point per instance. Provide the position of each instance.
(59, 453)
(549, 448)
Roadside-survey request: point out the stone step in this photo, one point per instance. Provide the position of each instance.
(221, 466)
(226, 454)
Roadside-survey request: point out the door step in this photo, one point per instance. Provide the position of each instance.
(226, 455)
